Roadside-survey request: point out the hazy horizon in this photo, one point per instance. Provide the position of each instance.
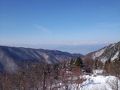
(75, 49)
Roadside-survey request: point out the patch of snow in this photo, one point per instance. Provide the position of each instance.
(115, 56)
(104, 59)
(98, 53)
(96, 72)
(68, 72)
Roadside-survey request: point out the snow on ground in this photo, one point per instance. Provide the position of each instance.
(98, 72)
(96, 81)
(99, 83)
(115, 56)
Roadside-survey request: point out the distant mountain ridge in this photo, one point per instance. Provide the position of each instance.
(11, 58)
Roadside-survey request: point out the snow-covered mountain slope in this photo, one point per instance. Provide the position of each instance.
(13, 57)
(111, 52)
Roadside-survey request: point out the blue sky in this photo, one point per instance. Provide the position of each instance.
(42, 23)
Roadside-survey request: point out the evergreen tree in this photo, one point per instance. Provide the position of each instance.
(79, 62)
